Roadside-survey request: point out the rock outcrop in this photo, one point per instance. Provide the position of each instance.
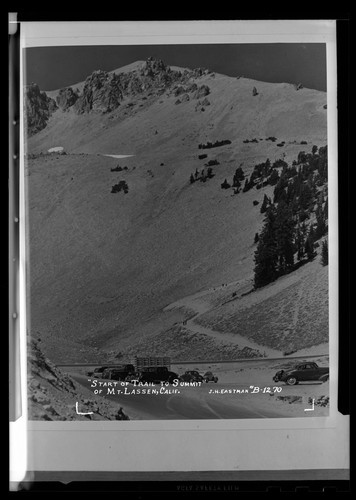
(103, 92)
(202, 91)
(66, 98)
(38, 109)
(53, 395)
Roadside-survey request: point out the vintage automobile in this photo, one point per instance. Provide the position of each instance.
(98, 372)
(191, 376)
(303, 372)
(210, 377)
(119, 373)
(156, 374)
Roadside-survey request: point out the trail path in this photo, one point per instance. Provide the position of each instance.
(199, 306)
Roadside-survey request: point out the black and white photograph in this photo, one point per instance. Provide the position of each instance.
(177, 230)
(176, 211)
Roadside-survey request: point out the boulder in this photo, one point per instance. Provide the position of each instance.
(179, 90)
(192, 87)
(202, 91)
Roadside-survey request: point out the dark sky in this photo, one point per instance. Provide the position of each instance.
(56, 67)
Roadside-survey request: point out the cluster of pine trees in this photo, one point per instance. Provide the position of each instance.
(246, 141)
(202, 176)
(236, 181)
(287, 231)
(263, 174)
(215, 144)
(120, 186)
(118, 169)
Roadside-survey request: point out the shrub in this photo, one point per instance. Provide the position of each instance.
(121, 186)
(225, 185)
(211, 162)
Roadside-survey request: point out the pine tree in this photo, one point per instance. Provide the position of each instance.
(236, 182)
(265, 204)
(256, 238)
(285, 233)
(309, 244)
(299, 243)
(225, 185)
(246, 186)
(305, 197)
(191, 178)
(290, 192)
(266, 258)
(279, 192)
(321, 227)
(239, 174)
(326, 210)
(273, 178)
(324, 253)
(323, 163)
(268, 165)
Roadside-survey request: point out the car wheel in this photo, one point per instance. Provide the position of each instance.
(215, 380)
(292, 381)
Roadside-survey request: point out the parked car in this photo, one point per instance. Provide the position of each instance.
(157, 374)
(98, 372)
(210, 377)
(303, 372)
(120, 373)
(191, 376)
(132, 376)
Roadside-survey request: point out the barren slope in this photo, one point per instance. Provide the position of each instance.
(103, 266)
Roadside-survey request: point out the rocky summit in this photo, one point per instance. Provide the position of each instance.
(104, 91)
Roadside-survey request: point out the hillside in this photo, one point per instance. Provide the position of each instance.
(53, 395)
(102, 265)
